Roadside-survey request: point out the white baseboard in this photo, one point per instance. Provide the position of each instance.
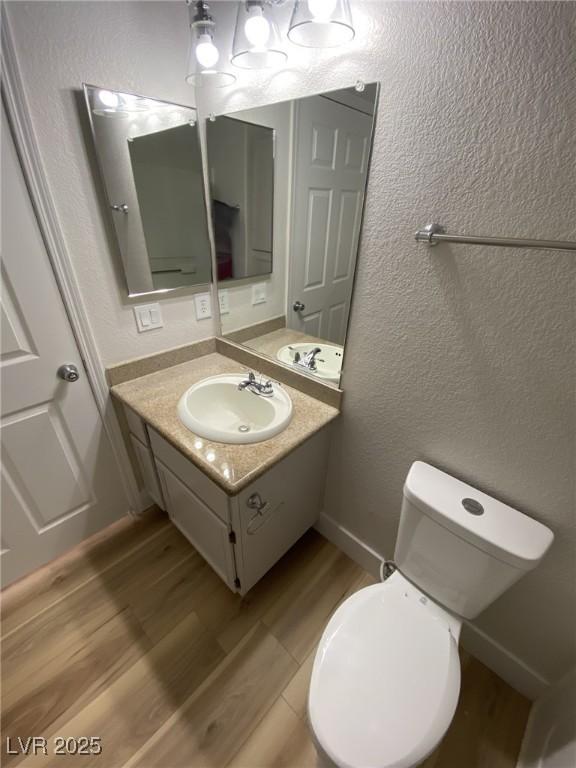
(506, 665)
(502, 661)
(350, 544)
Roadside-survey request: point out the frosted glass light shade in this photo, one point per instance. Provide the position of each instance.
(257, 43)
(321, 23)
(203, 59)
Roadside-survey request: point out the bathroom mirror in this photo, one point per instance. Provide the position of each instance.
(292, 176)
(149, 155)
(241, 171)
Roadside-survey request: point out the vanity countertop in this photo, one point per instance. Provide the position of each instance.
(155, 397)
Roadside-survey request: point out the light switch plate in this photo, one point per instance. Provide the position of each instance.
(223, 299)
(259, 293)
(148, 317)
(203, 306)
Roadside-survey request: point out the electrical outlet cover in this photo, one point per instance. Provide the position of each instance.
(223, 299)
(203, 306)
(259, 293)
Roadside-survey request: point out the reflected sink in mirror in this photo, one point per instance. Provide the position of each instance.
(216, 409)
(328, 360)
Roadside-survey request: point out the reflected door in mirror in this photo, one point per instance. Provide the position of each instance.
(241, 162)
(329, 180)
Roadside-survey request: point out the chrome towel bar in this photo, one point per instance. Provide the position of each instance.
(434, 234)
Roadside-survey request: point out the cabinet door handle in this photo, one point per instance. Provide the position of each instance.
(255, 502)
(262, 516)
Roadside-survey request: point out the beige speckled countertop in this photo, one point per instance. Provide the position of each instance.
(155, 397)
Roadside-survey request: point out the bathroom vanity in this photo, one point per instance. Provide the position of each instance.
(285, 184)
(241, 506)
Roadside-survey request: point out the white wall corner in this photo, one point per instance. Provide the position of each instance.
(505, 664)
(351, 545)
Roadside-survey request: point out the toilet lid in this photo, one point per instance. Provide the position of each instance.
(385, 680)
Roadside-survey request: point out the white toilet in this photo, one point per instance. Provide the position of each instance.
(386, 676)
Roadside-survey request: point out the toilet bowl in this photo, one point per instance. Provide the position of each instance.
(386, 676)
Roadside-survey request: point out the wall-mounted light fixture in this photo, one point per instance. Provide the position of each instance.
(204, 55)
(256, 37)
(321, 23)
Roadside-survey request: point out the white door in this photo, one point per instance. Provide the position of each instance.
(329, 182)
(60, 482)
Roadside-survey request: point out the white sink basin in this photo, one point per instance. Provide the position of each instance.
(217, 410)
(328, 361)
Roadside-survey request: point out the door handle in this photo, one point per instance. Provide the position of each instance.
(68, 372)
(121, 208)
(298, 306)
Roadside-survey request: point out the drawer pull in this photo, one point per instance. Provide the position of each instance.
(261, 517)
(255, 502)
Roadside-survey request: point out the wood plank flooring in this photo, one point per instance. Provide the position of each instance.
(131, 637)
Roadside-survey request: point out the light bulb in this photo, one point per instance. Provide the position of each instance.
(108, 98)
(256, 27)
(206, 52)
(322, 9)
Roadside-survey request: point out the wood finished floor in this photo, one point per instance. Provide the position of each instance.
(132, 637)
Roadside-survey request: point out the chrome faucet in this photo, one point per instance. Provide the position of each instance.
(257, 387)
(308, 360)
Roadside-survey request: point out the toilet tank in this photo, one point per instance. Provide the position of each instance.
(461, 546)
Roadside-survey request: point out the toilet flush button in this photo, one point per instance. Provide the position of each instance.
(473, 506)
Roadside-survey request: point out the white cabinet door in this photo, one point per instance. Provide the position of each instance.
(60, 482)
(147, 470)
(329, 182)
(291, 494)
(208, 534)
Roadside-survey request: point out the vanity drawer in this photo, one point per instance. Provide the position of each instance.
(148, 470)
(136, 425)
(206, 532)
(213, 496)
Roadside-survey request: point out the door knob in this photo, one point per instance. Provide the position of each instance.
(122, 208)
(298, 306)
(69, 372)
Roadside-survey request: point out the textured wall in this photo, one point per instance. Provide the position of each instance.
(463, 356)
(133, 46)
